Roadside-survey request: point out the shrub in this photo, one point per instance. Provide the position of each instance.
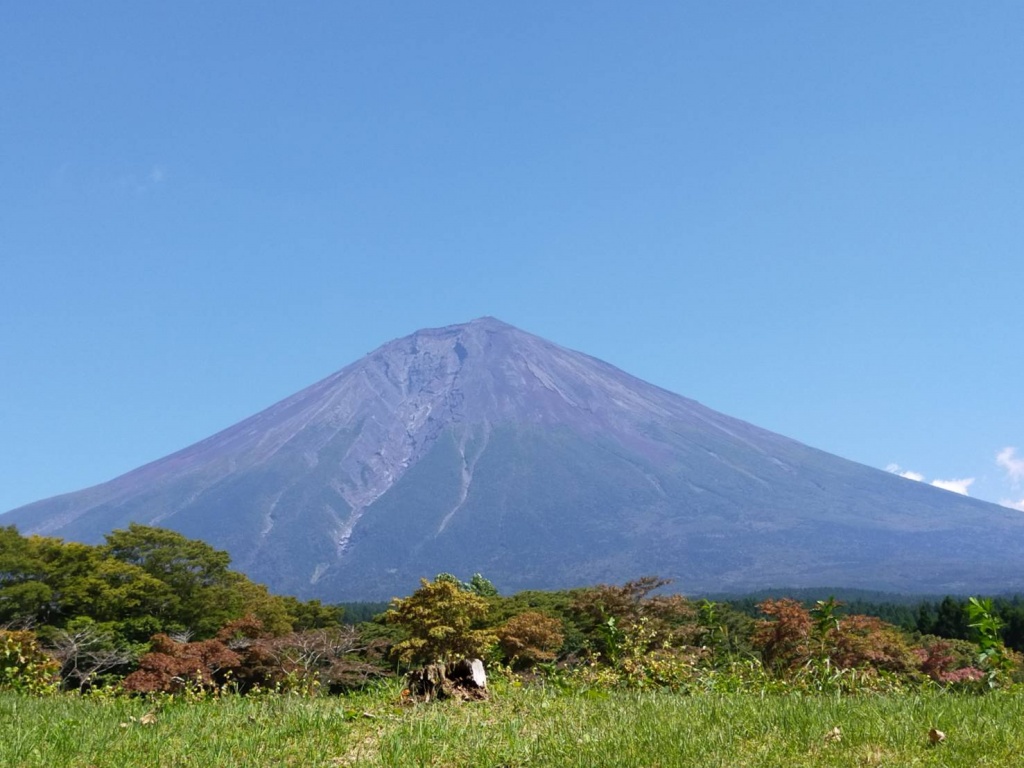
(442, 622)
(994, 656)
(794, 637)
(644, 660)
(530, 638)
(784, 641)
(723, 633)
(88, 653)
(948, 661)
(866, 641)
(609, 614)
(333, 659)
(172, 666)
(23, 664)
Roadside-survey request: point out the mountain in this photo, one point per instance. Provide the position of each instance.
(479, 447)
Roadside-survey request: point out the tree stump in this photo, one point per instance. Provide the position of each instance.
(464, 679)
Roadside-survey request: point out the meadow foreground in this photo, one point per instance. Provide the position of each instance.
(518, 727)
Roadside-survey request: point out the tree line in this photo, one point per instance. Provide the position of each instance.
(150, 610)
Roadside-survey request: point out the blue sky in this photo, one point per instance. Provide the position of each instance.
(806, 215)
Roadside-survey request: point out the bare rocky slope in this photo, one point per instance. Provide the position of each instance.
(479, 447)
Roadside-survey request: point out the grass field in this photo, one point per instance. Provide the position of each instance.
(517, 727)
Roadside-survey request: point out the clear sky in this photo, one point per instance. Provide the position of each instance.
(807, 215)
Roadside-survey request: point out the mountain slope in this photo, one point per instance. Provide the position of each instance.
(479, 447)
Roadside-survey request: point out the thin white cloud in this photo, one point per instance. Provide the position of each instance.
(1014, 466)
(140, 183)
(1018, 505)
(908, 474)
(956, 486)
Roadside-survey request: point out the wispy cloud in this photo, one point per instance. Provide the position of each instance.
(959, 485)
(1007, 459)
(956, 486)
(137, 178)
(896, 469)
(917, 477)
(144, 182)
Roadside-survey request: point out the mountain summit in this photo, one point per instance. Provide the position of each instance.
(479, 447)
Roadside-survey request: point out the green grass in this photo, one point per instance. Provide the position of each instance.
(517, 728)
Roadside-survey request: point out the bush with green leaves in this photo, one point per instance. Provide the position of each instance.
(993, 656)
(442, 621)
(143, 581)
(613, 615)
(24, 666)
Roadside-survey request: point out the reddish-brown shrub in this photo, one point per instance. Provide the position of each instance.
(962, 675)
(791, 638)
(785, 640)
(867, 641)
(241, 632)
(530, 638)
(171, 666)
(247, 656)
(667, 620)
(948, 661)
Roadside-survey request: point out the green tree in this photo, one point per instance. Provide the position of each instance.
(951, 620)
(442, 622)
(246, 598)
(47, 582)
(312, 614)
(478, 585)
(196, 573)
(24, 595)
(825, 622)
(84, 581)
